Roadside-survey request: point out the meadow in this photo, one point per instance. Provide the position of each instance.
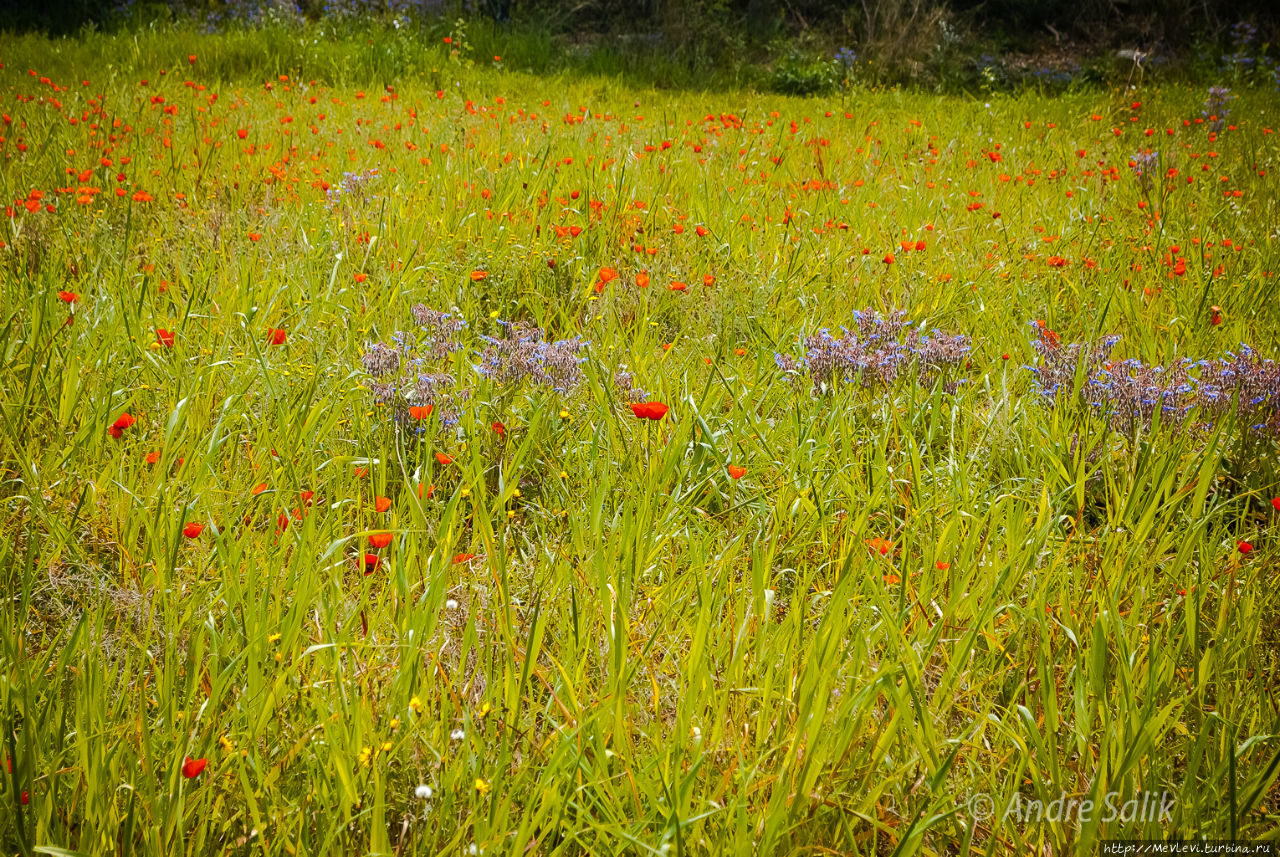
(474, 462)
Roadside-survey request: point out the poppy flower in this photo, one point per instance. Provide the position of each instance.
(1244, 547)
(371, 562)
(463, 557)
(382, 504)
(360, 278)
(426, 491)
(649, 410)
(1215, 315)
(420, 412)
(702, 231)
(879, 545)
(164, 337)
(500, 429)
(942, 566)
(242, 133)
(1275, 503)
(193, 529)
(153, 457)
(477, 276)
(379, 540)
(708, 279)
(443, 459)
(360, 472)
(888, 258)
(277, 335)
(677, 286)
(258, 489)
(192, 768)
(68, 297)
(642, 280)
(736, 472)
(124, 421)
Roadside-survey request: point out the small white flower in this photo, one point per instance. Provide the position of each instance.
(451, 604)
(458, 734)
(423, 792)
(472, 849)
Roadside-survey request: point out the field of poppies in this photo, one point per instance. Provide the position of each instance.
(479, 463)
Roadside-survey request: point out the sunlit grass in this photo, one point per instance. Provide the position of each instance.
(588, 636)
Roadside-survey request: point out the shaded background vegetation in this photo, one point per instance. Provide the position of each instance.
(793, 46)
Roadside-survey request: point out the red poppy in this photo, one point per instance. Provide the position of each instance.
(477, 276)
(420, 412)
(702, 231)
(425, 491)
(463, 557)
(942, 566)
(1215, 315)
(242, 133)
(124, 421)
(500, 429)
(306, 496)
(153, 457)
(360, 278)
(736, 472)
(677, 286)
(193, 529)
(1244, 547)
(379, 540)
(708, 279)
(1275, 503)
(68, 297)
(382, 504)
(277, 335)
(164, 337)
(649, 410)
(258, 489)
(888, 258)
(361, 471)
(192, 768)
(879, 545)
(370, 563)
(443, 459)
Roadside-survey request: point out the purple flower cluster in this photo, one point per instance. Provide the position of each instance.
(1144, 165)
(1215, 106)
(876, 353)
(525, 354)
(413, 370)
(625, 383)
(1188, 394)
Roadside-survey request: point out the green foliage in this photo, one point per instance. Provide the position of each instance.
(584, 635)
(798, 74)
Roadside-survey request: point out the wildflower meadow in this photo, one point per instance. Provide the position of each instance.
(469, 461)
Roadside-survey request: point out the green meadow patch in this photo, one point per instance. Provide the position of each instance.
(468, 462)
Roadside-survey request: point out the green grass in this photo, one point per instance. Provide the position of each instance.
(643, 656)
